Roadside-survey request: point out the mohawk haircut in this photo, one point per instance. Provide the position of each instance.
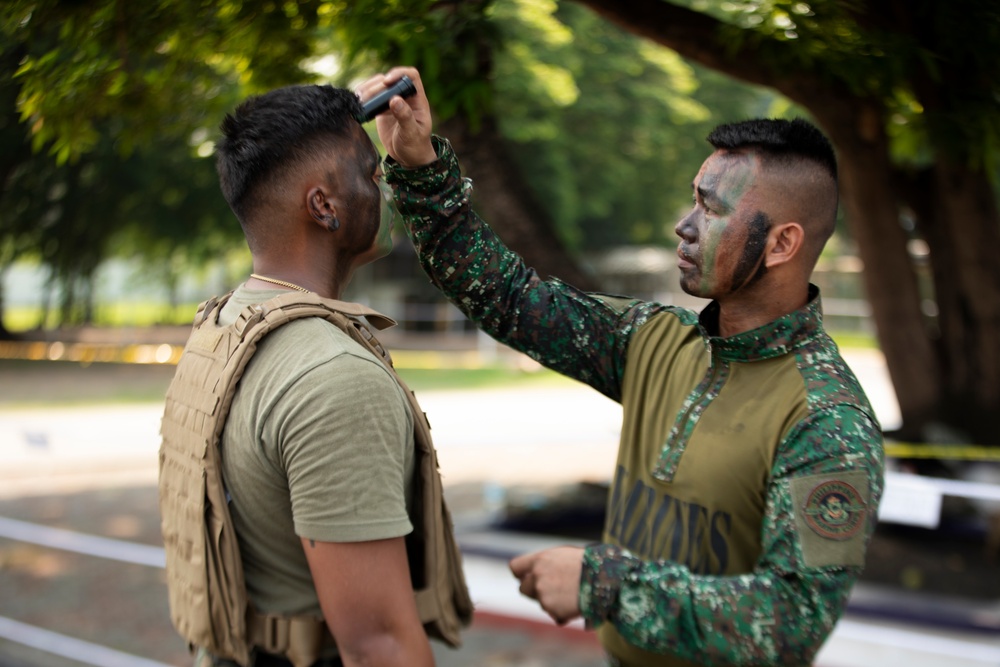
(270, 133)
(778, 138)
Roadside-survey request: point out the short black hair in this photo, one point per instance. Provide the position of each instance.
(273, 131)
(778, 138)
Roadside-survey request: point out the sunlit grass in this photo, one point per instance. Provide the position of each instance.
(25, 318)
(65, 383)
(854, 339)
(423, 379)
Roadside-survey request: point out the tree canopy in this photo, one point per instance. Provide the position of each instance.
(907, 92)
(582, 135)
(108, 114)
(155, 80)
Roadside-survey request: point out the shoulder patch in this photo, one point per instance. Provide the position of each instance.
(831, 512)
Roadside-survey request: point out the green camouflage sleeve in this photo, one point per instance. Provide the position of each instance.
(821, 512)
(582, 335)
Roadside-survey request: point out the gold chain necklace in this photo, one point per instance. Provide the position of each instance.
(275, 281)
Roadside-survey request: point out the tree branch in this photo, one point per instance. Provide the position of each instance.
(691, 33)
(697, 37)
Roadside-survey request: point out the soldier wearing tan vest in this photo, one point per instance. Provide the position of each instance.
(330, 480)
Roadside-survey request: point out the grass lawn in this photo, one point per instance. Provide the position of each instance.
(26, 383)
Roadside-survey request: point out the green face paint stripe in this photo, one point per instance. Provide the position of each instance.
(727, 186)
(709, 248)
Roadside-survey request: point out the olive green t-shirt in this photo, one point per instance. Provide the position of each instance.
(318, 444)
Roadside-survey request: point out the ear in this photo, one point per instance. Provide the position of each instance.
(783, 244)
(322, 208)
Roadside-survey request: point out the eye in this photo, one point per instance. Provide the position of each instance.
(384, 188)
(704, 206)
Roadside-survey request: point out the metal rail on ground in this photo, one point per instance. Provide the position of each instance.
(131, 552)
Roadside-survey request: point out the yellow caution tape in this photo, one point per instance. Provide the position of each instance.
(87, 353)
(164, 353)
(907, 450)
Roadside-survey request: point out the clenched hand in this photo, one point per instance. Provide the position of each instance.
(552, 577)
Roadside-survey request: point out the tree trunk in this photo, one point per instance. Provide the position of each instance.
(87, 299)
(5, 334)
(957, 215)
(507, 203)
(873, 215)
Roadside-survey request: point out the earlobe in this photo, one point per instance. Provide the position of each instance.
(784, 243)
(322, 209)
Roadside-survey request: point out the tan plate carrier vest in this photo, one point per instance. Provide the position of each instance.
(207, 592)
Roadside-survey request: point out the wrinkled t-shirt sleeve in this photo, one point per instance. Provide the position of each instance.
(346, 431)
(579, 334)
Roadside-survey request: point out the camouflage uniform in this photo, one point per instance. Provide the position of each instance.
(749, 468)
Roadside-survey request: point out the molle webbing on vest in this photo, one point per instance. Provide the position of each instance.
(207, 593)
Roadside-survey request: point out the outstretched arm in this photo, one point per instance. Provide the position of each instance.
(584, 336)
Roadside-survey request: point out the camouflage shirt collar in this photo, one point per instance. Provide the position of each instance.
(774, 339)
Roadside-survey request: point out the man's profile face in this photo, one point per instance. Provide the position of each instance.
(724, 236)
(367, 202)
(382, 245)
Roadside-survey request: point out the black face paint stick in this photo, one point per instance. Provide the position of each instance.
(376, 105)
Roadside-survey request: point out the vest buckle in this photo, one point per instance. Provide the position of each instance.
(247, 318)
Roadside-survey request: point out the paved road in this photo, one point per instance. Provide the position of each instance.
(57, 467)
(530, 434)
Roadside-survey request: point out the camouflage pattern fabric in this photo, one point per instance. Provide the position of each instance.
(750, 467)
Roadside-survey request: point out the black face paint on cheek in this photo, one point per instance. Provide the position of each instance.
(365, 200)
(750, 268)
(362, 200)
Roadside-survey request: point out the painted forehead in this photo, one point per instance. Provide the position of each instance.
(358, 152)
(365, 150)
(726, 176)
(374, 159)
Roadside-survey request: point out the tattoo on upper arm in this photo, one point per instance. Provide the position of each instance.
(312, 543)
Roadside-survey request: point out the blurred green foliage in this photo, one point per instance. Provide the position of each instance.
(109, 112)
(611, 128)
(107, 119)
(932, 66)
(608, 128)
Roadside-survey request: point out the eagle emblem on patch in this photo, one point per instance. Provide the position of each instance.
(834, 510)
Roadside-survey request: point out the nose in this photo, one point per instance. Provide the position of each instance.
(686, 228)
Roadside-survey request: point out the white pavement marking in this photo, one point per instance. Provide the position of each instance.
(493, 588)
(856, 644)
(82, 543)
(69, 647)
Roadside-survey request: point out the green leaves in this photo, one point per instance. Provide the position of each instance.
(612, 159)
(146, 69)
(452, 44)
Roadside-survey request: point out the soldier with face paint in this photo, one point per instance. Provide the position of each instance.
(318, 447)
(750, 464)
